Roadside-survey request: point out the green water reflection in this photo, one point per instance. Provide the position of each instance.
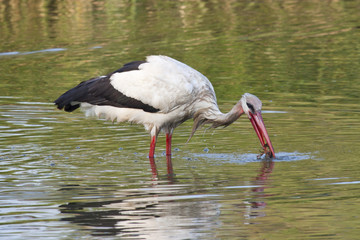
(64, 173)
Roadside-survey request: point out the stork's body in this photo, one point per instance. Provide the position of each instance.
(159, 93)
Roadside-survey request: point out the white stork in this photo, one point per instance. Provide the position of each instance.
(160, 93)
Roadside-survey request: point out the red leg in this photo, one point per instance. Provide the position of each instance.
(168, 154)
(152, 147)
(169, 166)
(153, 167)
(151, 157)
(168, 144)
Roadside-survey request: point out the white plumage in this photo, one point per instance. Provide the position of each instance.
(165, 90)
(160, 93)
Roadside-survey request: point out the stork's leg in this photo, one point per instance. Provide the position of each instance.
(168, 144)
(153, 167)
(169, 166)
(153, 133)
(151, 156)
(152, 147)
(168, 154)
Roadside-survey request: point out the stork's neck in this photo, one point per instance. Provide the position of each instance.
(224, 119)
(212, 115)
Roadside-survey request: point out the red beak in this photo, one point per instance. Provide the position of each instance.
(260, 129)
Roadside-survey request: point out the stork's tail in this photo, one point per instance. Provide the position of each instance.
(67, 101)
(70, 100)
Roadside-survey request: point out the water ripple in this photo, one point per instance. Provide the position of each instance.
(251, 157)
(32, 52)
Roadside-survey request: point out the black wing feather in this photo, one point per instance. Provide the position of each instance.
(130, 66)
(99, 91)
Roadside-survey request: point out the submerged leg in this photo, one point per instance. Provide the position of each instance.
(169, 166)
(153, 167)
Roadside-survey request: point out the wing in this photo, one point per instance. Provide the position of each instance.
(99, 91)
(163, 83)
(159, 84)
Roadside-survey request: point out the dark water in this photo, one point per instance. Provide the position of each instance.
(64, 176)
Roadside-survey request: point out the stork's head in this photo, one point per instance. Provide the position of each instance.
(251, 106)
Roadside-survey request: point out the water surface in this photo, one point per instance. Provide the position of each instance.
(65, 176)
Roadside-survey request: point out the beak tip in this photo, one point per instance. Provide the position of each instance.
(269, 151)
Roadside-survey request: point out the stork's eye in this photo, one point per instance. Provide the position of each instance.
(251, 107)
